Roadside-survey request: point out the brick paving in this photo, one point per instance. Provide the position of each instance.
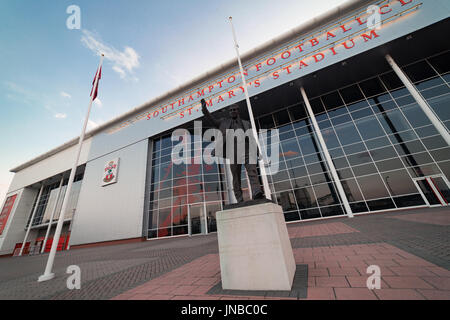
(411, 248)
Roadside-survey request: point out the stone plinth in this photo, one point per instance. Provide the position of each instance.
(254, 247)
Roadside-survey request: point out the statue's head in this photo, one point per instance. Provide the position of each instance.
(234, 111)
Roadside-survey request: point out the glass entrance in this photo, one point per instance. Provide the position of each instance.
(197, 221)
(434, 189)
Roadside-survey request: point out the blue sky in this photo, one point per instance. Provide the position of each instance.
(46, 69)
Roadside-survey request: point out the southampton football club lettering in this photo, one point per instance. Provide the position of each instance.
(110, 172)
(286, 63)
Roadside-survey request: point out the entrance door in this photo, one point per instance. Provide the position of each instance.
(434, 189)
(196, 219)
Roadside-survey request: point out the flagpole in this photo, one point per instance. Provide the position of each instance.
(48, 275)
(262, 167)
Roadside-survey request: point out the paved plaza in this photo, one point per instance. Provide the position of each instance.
(411, 248)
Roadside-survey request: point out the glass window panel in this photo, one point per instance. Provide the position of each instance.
(404, 101)
(180, 230)
(393, 121)
(359, 158)
(340, 163)
(166, 142)
(347, 134)
(434, 142)
(427, 131)
(377, 143)
(351, 190)
(301, 124)
(313, 158)
(441, 154)
(300, 182)
(330, 138)
(152, 234)
(206, 178)
(383, 153)
(430, 83)
(372, 187)
(156, 144)
(167, 158)
(335, 153)
(410, 147)
(388, 165)
(399, 182)
(285, 128)
(332, 211)
(372, 87)
(322, 116)
(298, 112)
(440, 105)
(310, 214)
(345, 173)
(409, 201)
(445, 167)
(419, 71)
(351, 94)
(402, 137)
(441, 62)
(332, 100)
(324, 124)
(296, 162)
(308, 144)
(416, 116)
(424, 170)
(281, 118)
(364, 170)
(212, 196)
(180, 215)
(359, 207)
(340, 120)
(326, 194)
(210, 168)
(317, 168)
(266, 122)
(316, 105)
(378, 107)
(298, 172)
(303, 131)
(282, 186)
(166, 232)
(436, 91)
(358, 106)
(290, 149)
(391, 80)
(362, 113)
(417, 159)
(280, 176)
(382, 204)
(320, 178)
(286, 200)
(354, 148)
(337, 112)
(165, 193)
(291, 216)
(400, 93)
(305, 198)
(165, 218)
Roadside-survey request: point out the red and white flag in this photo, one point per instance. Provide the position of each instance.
(96, 86)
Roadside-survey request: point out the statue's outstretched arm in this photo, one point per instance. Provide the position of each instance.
(208, 115)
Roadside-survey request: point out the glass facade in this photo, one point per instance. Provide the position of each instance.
(377, 135)
(48, 198)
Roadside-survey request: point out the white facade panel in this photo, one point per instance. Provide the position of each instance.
(115, 211)
(53, 165)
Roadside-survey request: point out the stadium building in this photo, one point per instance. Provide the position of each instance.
(379, 101)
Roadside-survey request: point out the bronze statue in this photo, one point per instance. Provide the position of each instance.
(235, 122)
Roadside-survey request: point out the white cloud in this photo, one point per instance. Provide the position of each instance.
(124, 62)
(60, 116)
(65, 95)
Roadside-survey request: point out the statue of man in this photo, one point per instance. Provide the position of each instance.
(234, 122)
